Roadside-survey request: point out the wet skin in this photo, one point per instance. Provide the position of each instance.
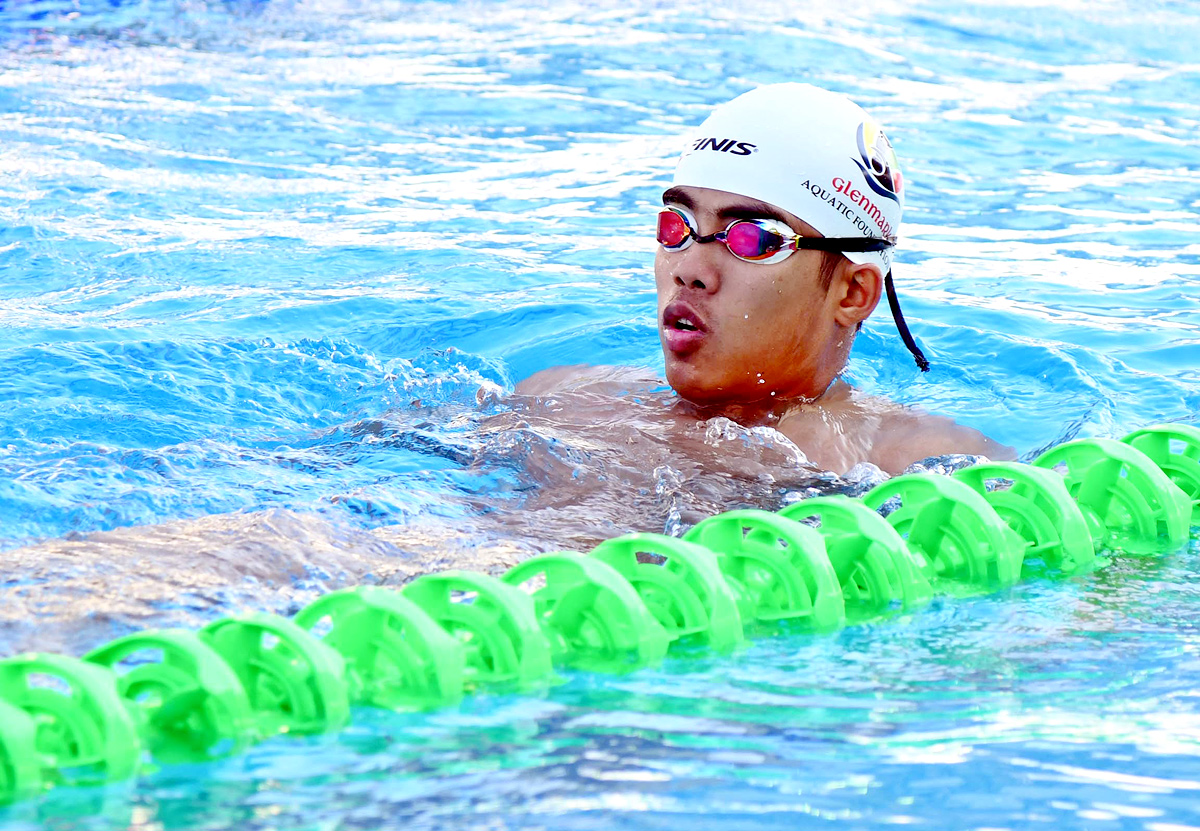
(763, 345)
(601, 451)
(752, 335)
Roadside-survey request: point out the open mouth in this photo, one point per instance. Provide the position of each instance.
(683, 329)
(682, 318)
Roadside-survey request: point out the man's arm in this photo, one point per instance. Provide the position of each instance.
(610, 380)
(551, 380)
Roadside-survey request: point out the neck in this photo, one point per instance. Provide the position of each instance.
(767, 412)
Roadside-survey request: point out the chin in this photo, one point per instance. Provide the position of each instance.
(694, 385)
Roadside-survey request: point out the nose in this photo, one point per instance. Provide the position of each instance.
(698, 266)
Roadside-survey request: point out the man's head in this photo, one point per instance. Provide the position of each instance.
(740, 321)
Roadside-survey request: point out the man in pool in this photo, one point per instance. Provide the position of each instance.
(775, 244)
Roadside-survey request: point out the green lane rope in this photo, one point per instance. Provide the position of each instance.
(497, 624)
(160, 697)
(877, 571)
(1176, 449)
(295, 682)
(595, 619)
(1128, 501)
(777, 568)
(20, 762)
(190, 704)
(1035, 504)
(681, 584)
(84, 734)
(963, 540)
(397, 656)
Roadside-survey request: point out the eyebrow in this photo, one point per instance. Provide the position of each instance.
(750, 209)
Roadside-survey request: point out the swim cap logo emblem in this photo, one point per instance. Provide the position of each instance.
(725, 145)
(877, 161)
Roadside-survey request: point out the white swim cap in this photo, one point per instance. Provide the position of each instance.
(815, 154)
(807, 150)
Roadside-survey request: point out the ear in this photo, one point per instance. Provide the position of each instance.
(856, 289)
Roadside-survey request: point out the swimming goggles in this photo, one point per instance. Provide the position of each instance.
(771, 241)
(755, 240)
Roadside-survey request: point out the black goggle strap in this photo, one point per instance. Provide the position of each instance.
(840, 244)
(901, 326)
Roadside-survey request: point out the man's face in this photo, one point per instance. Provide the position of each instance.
(742, 332)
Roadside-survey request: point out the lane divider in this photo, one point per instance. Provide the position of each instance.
(169, 696)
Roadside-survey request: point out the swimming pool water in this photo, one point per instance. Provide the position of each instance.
(271, 270)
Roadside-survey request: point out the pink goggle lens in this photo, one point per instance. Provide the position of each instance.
(673, 230)
(751, 242)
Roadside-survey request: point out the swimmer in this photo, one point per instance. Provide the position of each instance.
(756, 326)
(776, 240)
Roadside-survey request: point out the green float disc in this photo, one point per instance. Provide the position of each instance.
(877, 571)
(191, 704)
(958, 533)
(495, 623)
(85, 734)
(396, 654)
(681, 584)
(1128, 502)
(592, 616)
(1036, 504)
(1175, 448)
(20, 762)
(778, 567)
(295, 683)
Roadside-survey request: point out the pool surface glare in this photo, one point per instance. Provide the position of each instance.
(272, 271)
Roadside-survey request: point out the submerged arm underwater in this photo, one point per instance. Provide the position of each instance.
(544, 472)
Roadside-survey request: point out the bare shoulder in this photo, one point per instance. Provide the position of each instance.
(908, 435)
(847, 427)
(612, 380)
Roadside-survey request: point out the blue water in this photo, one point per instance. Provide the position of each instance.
(272, 269)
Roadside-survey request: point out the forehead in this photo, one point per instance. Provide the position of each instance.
(724, 206)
